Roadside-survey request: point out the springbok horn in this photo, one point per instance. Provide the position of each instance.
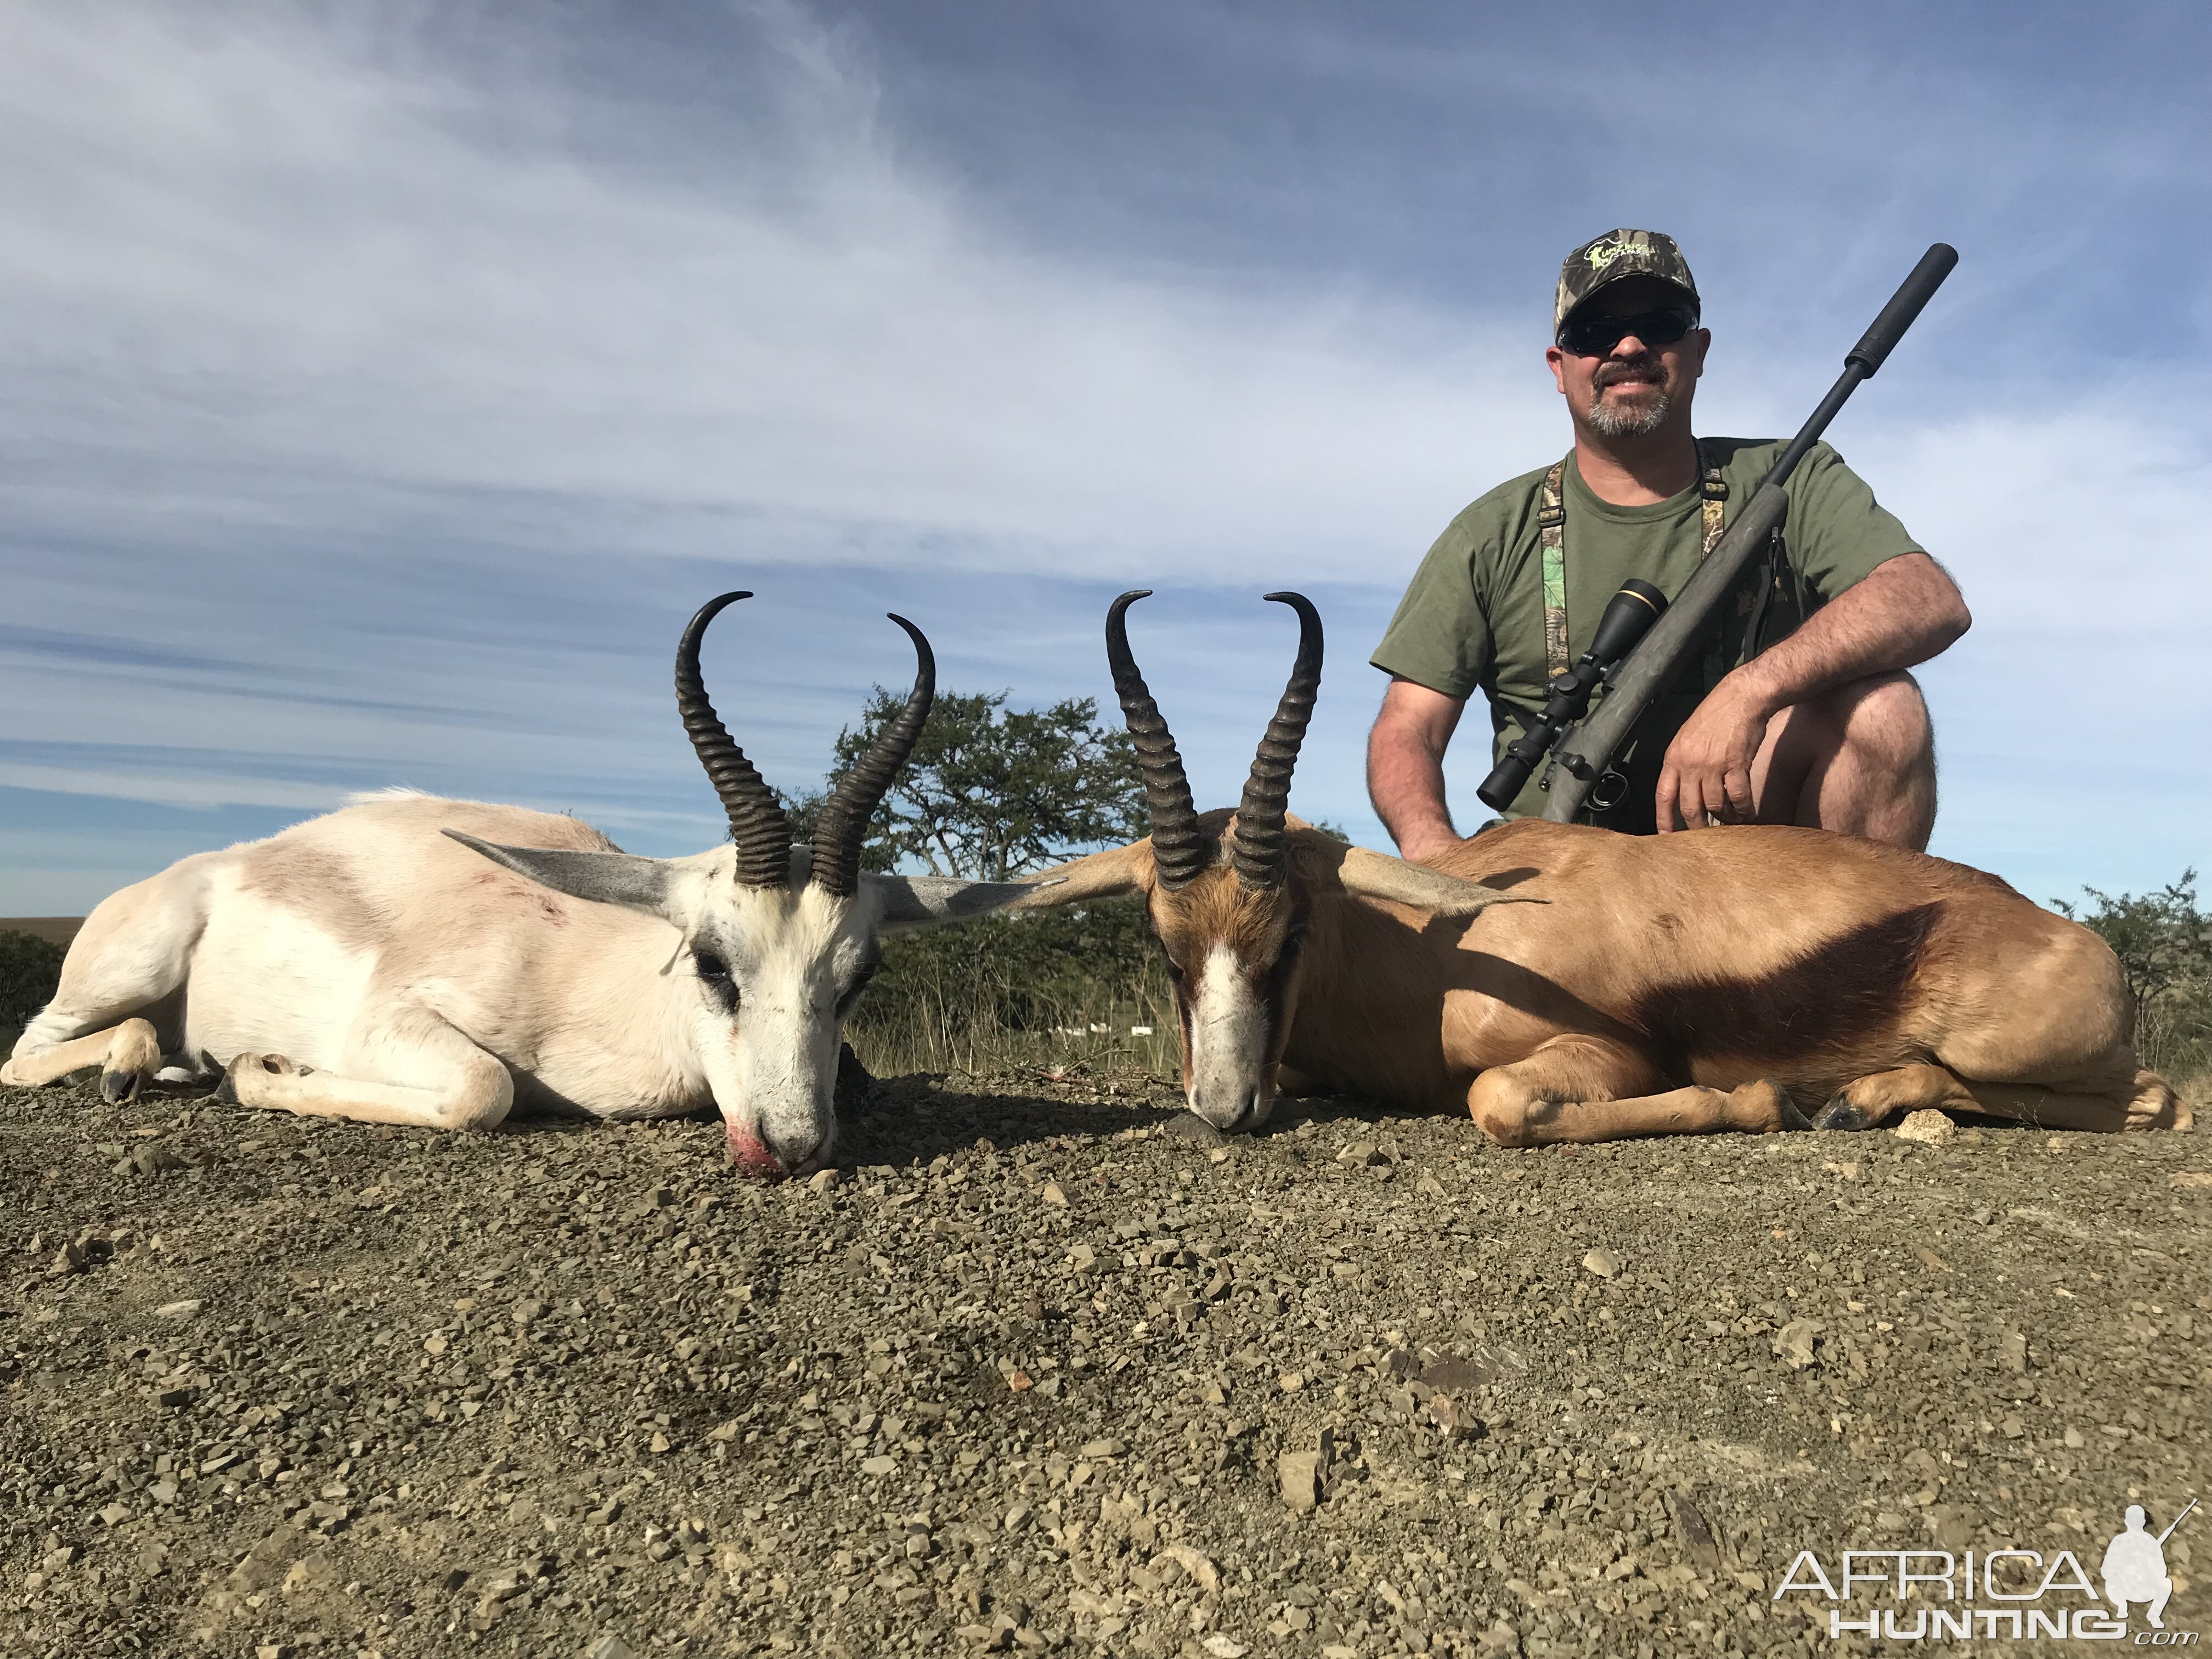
(1179, 850)
(756, 820)
(844, 823)
(1256, 847)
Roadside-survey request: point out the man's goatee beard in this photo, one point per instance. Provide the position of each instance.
(1630, 422)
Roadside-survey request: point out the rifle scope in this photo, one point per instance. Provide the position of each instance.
(1628, 616)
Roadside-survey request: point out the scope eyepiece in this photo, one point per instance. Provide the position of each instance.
(1627, 617)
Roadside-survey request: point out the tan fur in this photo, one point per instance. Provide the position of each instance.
(1667, 981)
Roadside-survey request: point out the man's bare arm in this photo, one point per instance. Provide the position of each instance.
(1406, 767)
(1902, 612)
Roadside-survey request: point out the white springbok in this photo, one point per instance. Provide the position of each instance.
(371, 964)
(1664, 985)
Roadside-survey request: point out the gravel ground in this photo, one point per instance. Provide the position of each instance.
(1037, 1370)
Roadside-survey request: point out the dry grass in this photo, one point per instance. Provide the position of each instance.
(931, 1027)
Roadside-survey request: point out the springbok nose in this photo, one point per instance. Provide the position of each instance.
(1232, 1112)
(752, 1155)
(773, 1155)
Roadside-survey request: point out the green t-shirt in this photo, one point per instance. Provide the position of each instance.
(1472, 617)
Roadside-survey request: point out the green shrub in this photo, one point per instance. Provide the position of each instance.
(30, 967)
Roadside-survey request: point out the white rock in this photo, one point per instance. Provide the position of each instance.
(1928, 1126)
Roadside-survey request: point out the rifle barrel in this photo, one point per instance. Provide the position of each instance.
(2177, 1521)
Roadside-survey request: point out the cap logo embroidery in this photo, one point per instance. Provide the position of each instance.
(1602, 254)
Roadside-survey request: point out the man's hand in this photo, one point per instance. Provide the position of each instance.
(1706, 776)
(1406, 770)
(1902, 613)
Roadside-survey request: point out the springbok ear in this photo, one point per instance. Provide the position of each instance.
(908, 902)
(602, 877)
(1114, 873)
(1377, 875)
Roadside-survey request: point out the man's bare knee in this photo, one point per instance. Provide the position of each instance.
(1883, 719)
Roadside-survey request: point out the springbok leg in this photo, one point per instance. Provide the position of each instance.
(1578, 1089)
(1865, 1102)
(127, 1054)
(426, 1073)
(2147, 1102)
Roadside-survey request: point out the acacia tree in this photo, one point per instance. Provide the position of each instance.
(992, 792)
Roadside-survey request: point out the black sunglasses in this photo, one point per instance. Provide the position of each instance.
(1596, 337)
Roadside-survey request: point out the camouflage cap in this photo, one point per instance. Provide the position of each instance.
(1609, 258)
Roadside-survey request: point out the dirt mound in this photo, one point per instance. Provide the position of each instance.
(1041, 1368)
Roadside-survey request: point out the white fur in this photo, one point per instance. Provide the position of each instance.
(1228, 1041)
(418, 975)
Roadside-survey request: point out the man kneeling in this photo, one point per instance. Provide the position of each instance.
(1798, 708)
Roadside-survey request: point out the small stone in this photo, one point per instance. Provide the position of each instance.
(1198, 1564)
(528, 1311)
(184, 1309)
(1429, 1187)
(1793, 1343)
(822, 1180)
(1291, 1382)
(879, 1465)
(1223, 1647)
(115, 1515)
(1095, 1449)
(660, 1198)
(1019, 1381)
(69, 1259)
(1300, 1475)
(1189, 1126)
(660, 1441)
(1692, 1529)
(612, 1647)
(1359, 1154)
(174, 1397)
(1602, 1262)
(153, 1158)
(1081, 1259)
(1927, 1126)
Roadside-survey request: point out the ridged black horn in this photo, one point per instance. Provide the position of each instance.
(844, 822)
(1179, 851)
(1257, 846)
(756, 820)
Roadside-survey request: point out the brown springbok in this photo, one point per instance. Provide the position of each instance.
(371, 964)
(1661, 985)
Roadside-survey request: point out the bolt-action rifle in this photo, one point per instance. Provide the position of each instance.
(1581, 753)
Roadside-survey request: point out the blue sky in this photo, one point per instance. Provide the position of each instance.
(385, 385)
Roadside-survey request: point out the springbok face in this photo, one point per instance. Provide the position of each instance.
(1231, 896)
(779, 940)
(1233, 953)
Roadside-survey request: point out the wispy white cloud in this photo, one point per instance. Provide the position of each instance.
(380, 392)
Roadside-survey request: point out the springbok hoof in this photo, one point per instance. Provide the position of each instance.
(269, 1065)
(1786, 1112)
(1840, 1113)
(120, 1088)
